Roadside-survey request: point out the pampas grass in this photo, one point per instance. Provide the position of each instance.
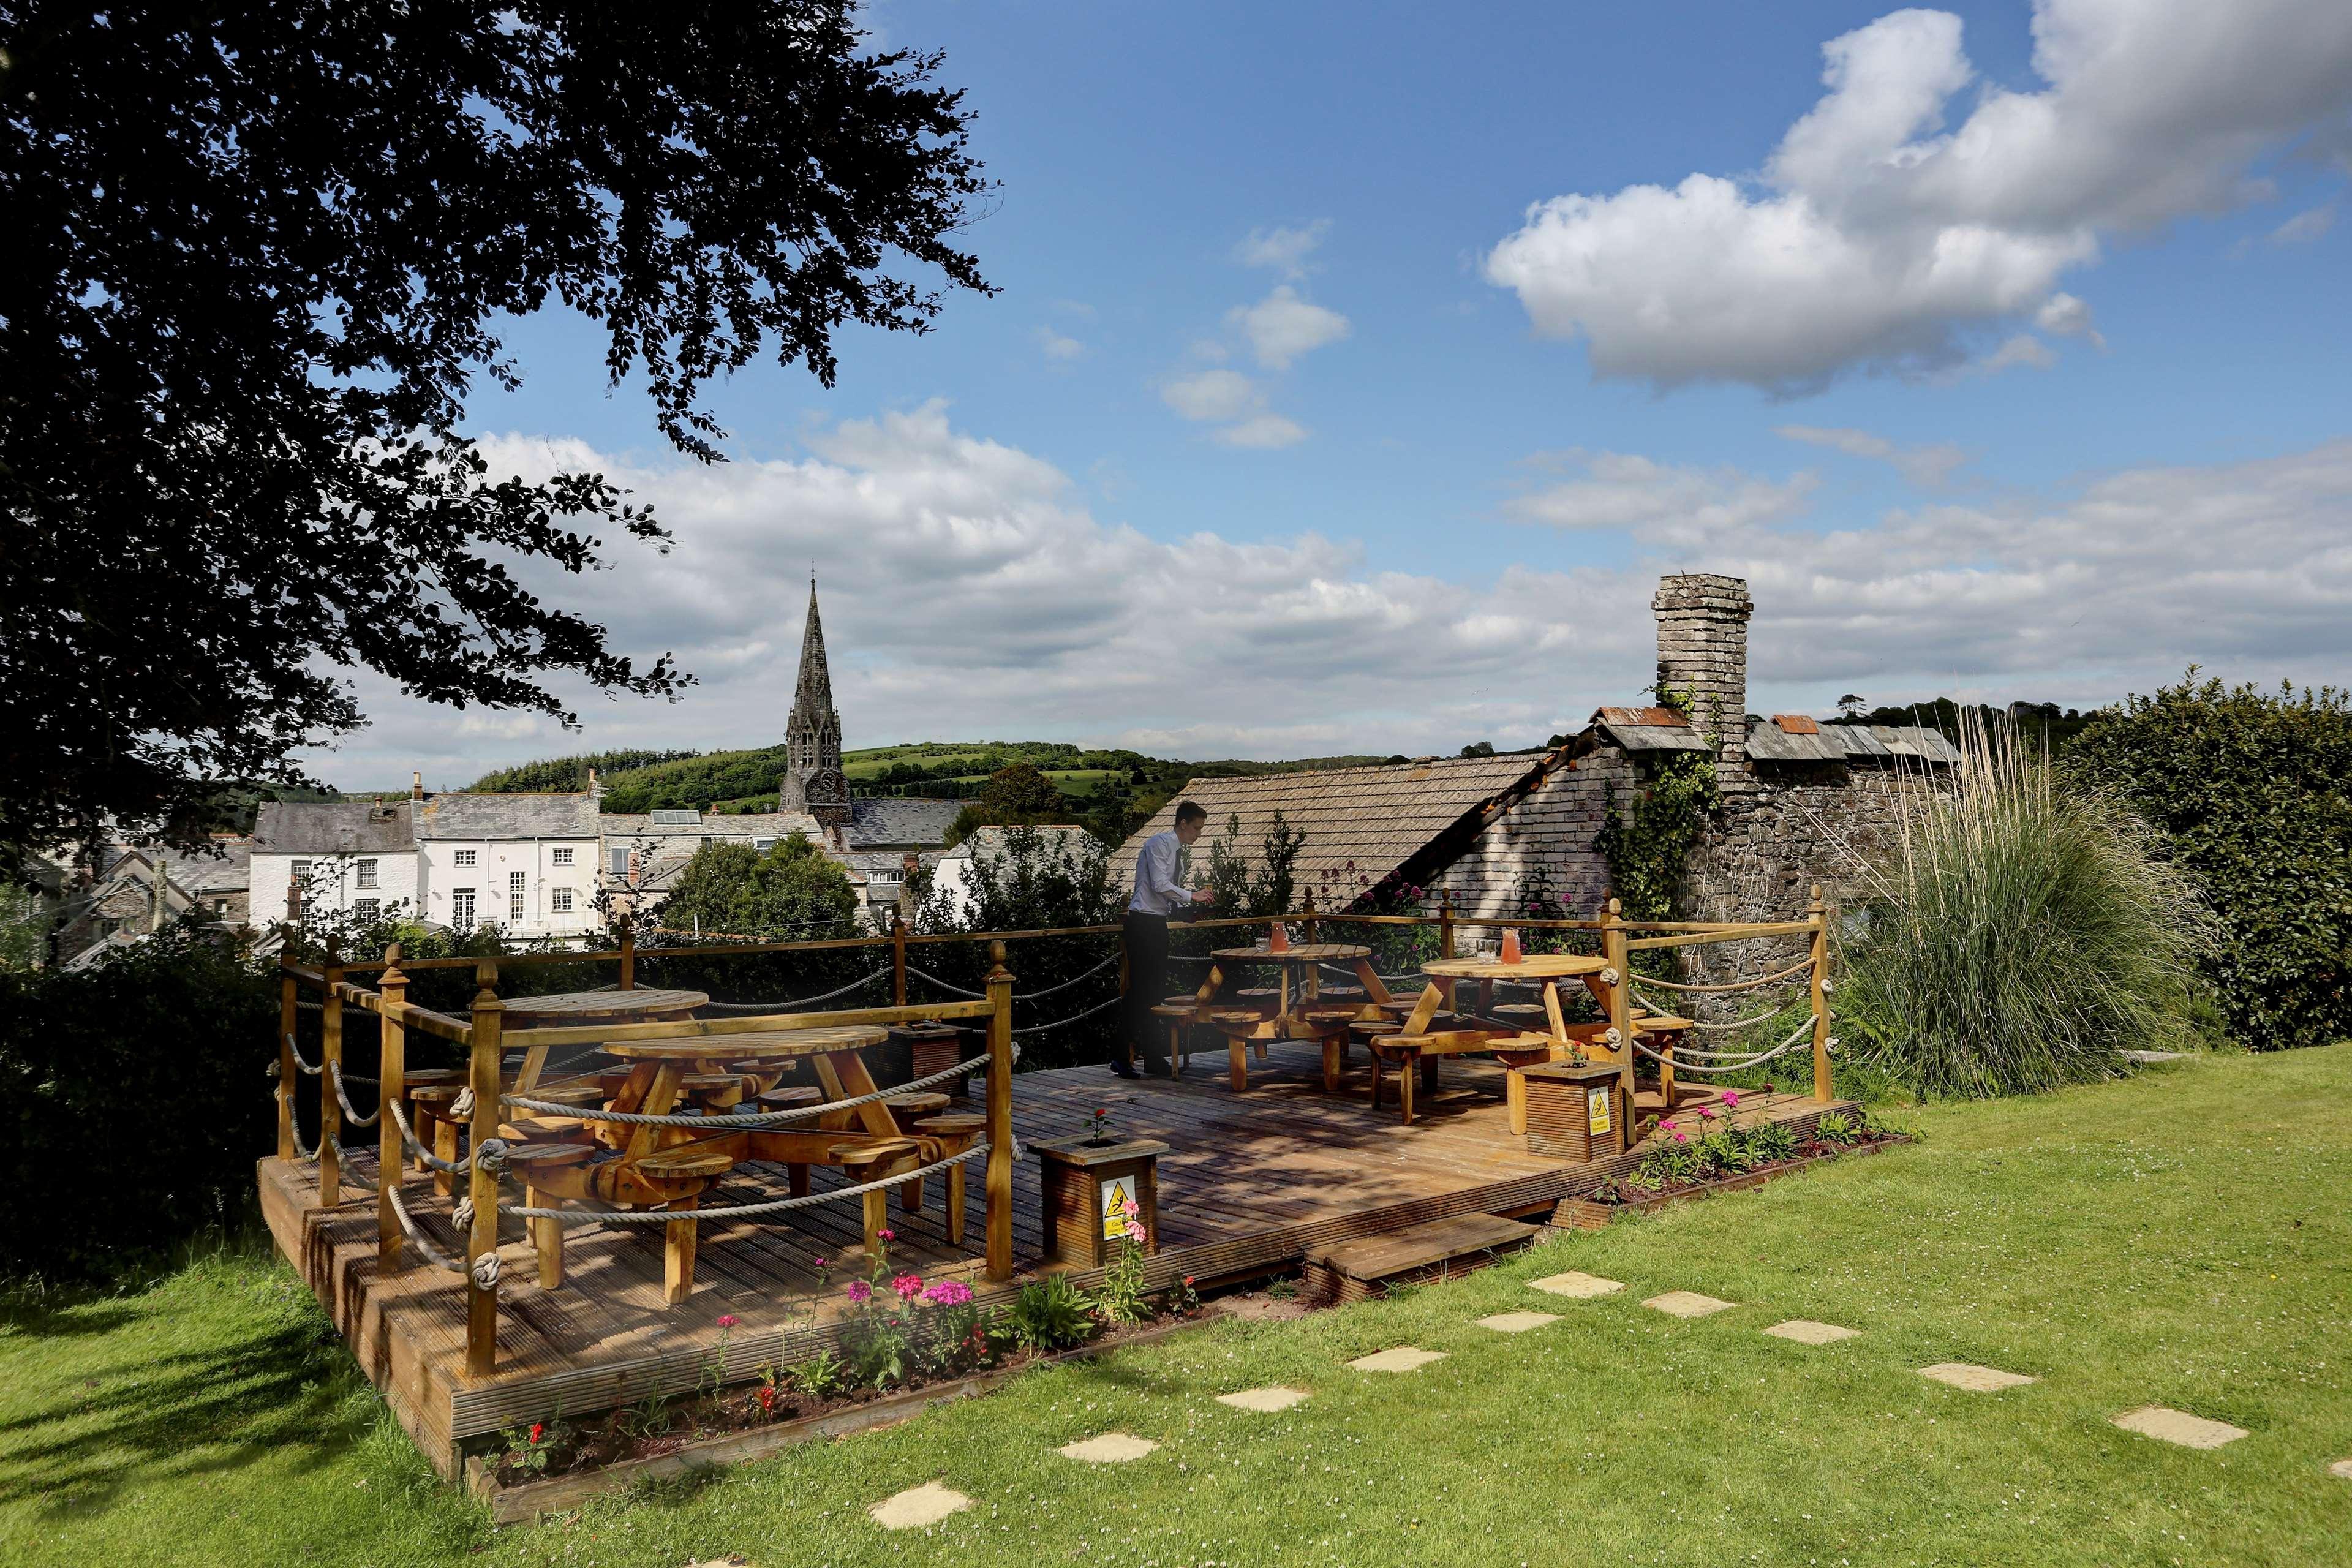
(2019, 935)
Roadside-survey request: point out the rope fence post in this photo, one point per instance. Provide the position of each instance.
(288, 1012)
(1000, 1115)
(390, 1157)
(629, 952)
(482, 1190)
(1445, 945)
(331, 1057)
(1818, 984)
(897, 960)
(1618, 958)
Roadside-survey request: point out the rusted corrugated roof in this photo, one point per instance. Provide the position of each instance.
(1776, 743)
(1650, 730)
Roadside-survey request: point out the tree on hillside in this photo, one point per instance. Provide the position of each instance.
(256, 257)
(791, 892)
(1012, 796)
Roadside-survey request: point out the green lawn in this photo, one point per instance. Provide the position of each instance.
(2181, 1239)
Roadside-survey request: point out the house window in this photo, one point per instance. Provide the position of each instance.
(299, 872)
(220, 906)
(563, 856)
(620, 861)
(367, 908)
(560, 899)
(461, 908)
(463, 857)
(367, 874)
(514, 898)
(886, 875)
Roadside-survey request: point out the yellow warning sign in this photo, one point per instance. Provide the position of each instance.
(1117, 1192)
(1596, 1111)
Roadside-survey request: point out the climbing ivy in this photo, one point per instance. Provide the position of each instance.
(1646, 848)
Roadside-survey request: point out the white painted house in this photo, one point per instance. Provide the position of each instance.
(347, 856)
(525, 863)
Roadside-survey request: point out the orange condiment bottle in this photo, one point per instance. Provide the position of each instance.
(1277, 939)
(1511, 953)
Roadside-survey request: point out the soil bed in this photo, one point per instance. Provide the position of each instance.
(1614, 1200)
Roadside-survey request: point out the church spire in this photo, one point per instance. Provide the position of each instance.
(814, 782)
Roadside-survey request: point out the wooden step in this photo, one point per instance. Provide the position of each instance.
(1443, 1248)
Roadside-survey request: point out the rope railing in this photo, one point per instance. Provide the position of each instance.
(953, 989)
(1680, 1063)
(296, 1052)
(752, 1211)
(1796, 968)
(735, 1122)
(797, 1003)
(1073, 1018)
(419, 1152)
(351, 1117)
(416, 1236)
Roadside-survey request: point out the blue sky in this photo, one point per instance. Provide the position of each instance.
(2008, 361)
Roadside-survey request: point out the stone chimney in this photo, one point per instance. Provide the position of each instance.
(1703, 650)
(416, 786)
(595, 790)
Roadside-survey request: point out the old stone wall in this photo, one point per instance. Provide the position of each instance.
(1703, 650)
(1545, 841)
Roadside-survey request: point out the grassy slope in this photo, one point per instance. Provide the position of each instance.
(2179, 1240)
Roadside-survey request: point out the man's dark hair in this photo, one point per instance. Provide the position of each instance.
(1190, 811)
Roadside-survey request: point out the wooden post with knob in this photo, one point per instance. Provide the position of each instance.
(482, 1236)
(390, 1157)
(289, 997)
(629, 951)
(1445, 945)
(1000, 1115)
(330, 1058)
(1619, 959)
(1818, 913)
(897, 960)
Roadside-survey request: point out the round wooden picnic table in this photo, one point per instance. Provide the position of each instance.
(1289, 1020)
(560, 1009)
(1515, 1046)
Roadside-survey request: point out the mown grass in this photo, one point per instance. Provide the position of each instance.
(2180, 1239)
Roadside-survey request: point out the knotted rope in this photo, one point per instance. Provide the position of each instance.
(418, 1150)
(1681, 1065)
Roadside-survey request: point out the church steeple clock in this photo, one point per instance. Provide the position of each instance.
(814, 782)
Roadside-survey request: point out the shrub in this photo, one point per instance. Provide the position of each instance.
(2251, 792)
(1050, 1315)
(2020, 936)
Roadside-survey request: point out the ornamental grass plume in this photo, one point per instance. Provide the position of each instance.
(2016, 936)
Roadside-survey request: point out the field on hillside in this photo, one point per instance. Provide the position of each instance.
(2179, 1240)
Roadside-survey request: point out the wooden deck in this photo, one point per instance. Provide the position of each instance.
(1253, 1181)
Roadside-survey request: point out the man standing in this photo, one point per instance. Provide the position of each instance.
(1158, 892)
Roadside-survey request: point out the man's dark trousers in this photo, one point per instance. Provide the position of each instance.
(1147, 983)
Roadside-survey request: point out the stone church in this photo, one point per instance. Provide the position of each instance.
(813, 781)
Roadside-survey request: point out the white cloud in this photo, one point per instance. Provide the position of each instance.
(1929, 466)
(1282, 326)
(1069, 626)
(1212, 394)
(2023, 348)
(1660, 503)
(1283, 249)
(1263, 432)
(2065, 316)
(1056, 346)
(2305, 226)
(1876, 239)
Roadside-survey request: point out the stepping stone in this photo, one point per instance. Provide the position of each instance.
(1686, 1304)
(1110, 1449)
(1806, 1332)
(1975, 1378)
(2179, 1427)
(1262, 1399)
(1518, 1322)
(1575, 1286)
(2149, 1058)
(1403, 1357)
(2342, 1468)
(918, 1505)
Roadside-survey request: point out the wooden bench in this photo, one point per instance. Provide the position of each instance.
(1179, 1014)
(1365, 1266)
(435, 1129)
(685, 1163)
(528, 1160)
(942, 1137)
(871, 1161)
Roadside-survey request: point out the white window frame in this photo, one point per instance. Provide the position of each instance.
(515, 885)
(461, 908)
(464, 858)
(563, 855)
(365, 875)
(559, 900)
(367, 908)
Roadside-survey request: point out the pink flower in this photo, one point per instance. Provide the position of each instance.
(948, 1293)
(1731, 1099)
(817, 1263)
(858, 1291)
(909, 1286)
(888, 1235)
(729, 1321)
(1680, 1139)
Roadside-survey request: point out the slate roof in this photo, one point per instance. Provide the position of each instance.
(332, 827)
(1650, 730)
(197, 870)
(878, 821)
(462, 816)
(1376, 818)
(1783, 739)
(628, 827)
(1059, 835)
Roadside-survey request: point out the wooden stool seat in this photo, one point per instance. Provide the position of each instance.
(1661, 1024)
(791, 1099)
(542, 1128)
(952, 1133)
(1371, 1028)
(1518, 1010)
(685, 1159)
(953, 1124)
(922, 1102)
(419, 1078)
(1183, 1009)
(1343, 993)
(545, 1156)
(1320, 1014)
(569, 1094)
(1236, 1016)
(707, 1080)
(872, 1150)
(436, 1094)
(1257, 993)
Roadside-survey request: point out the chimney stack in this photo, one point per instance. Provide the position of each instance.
(1703, 650)
(595, 790)
(415, 786)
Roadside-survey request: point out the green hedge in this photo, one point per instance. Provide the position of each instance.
(133, 1103)
(2252, 791)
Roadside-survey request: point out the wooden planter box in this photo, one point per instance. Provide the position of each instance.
(1590, 1213)
(934, 1048)
(1085, 1180)
(1574, 1110)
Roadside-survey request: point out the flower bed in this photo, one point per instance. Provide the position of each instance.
(1705, 1155)
(905, 1344)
